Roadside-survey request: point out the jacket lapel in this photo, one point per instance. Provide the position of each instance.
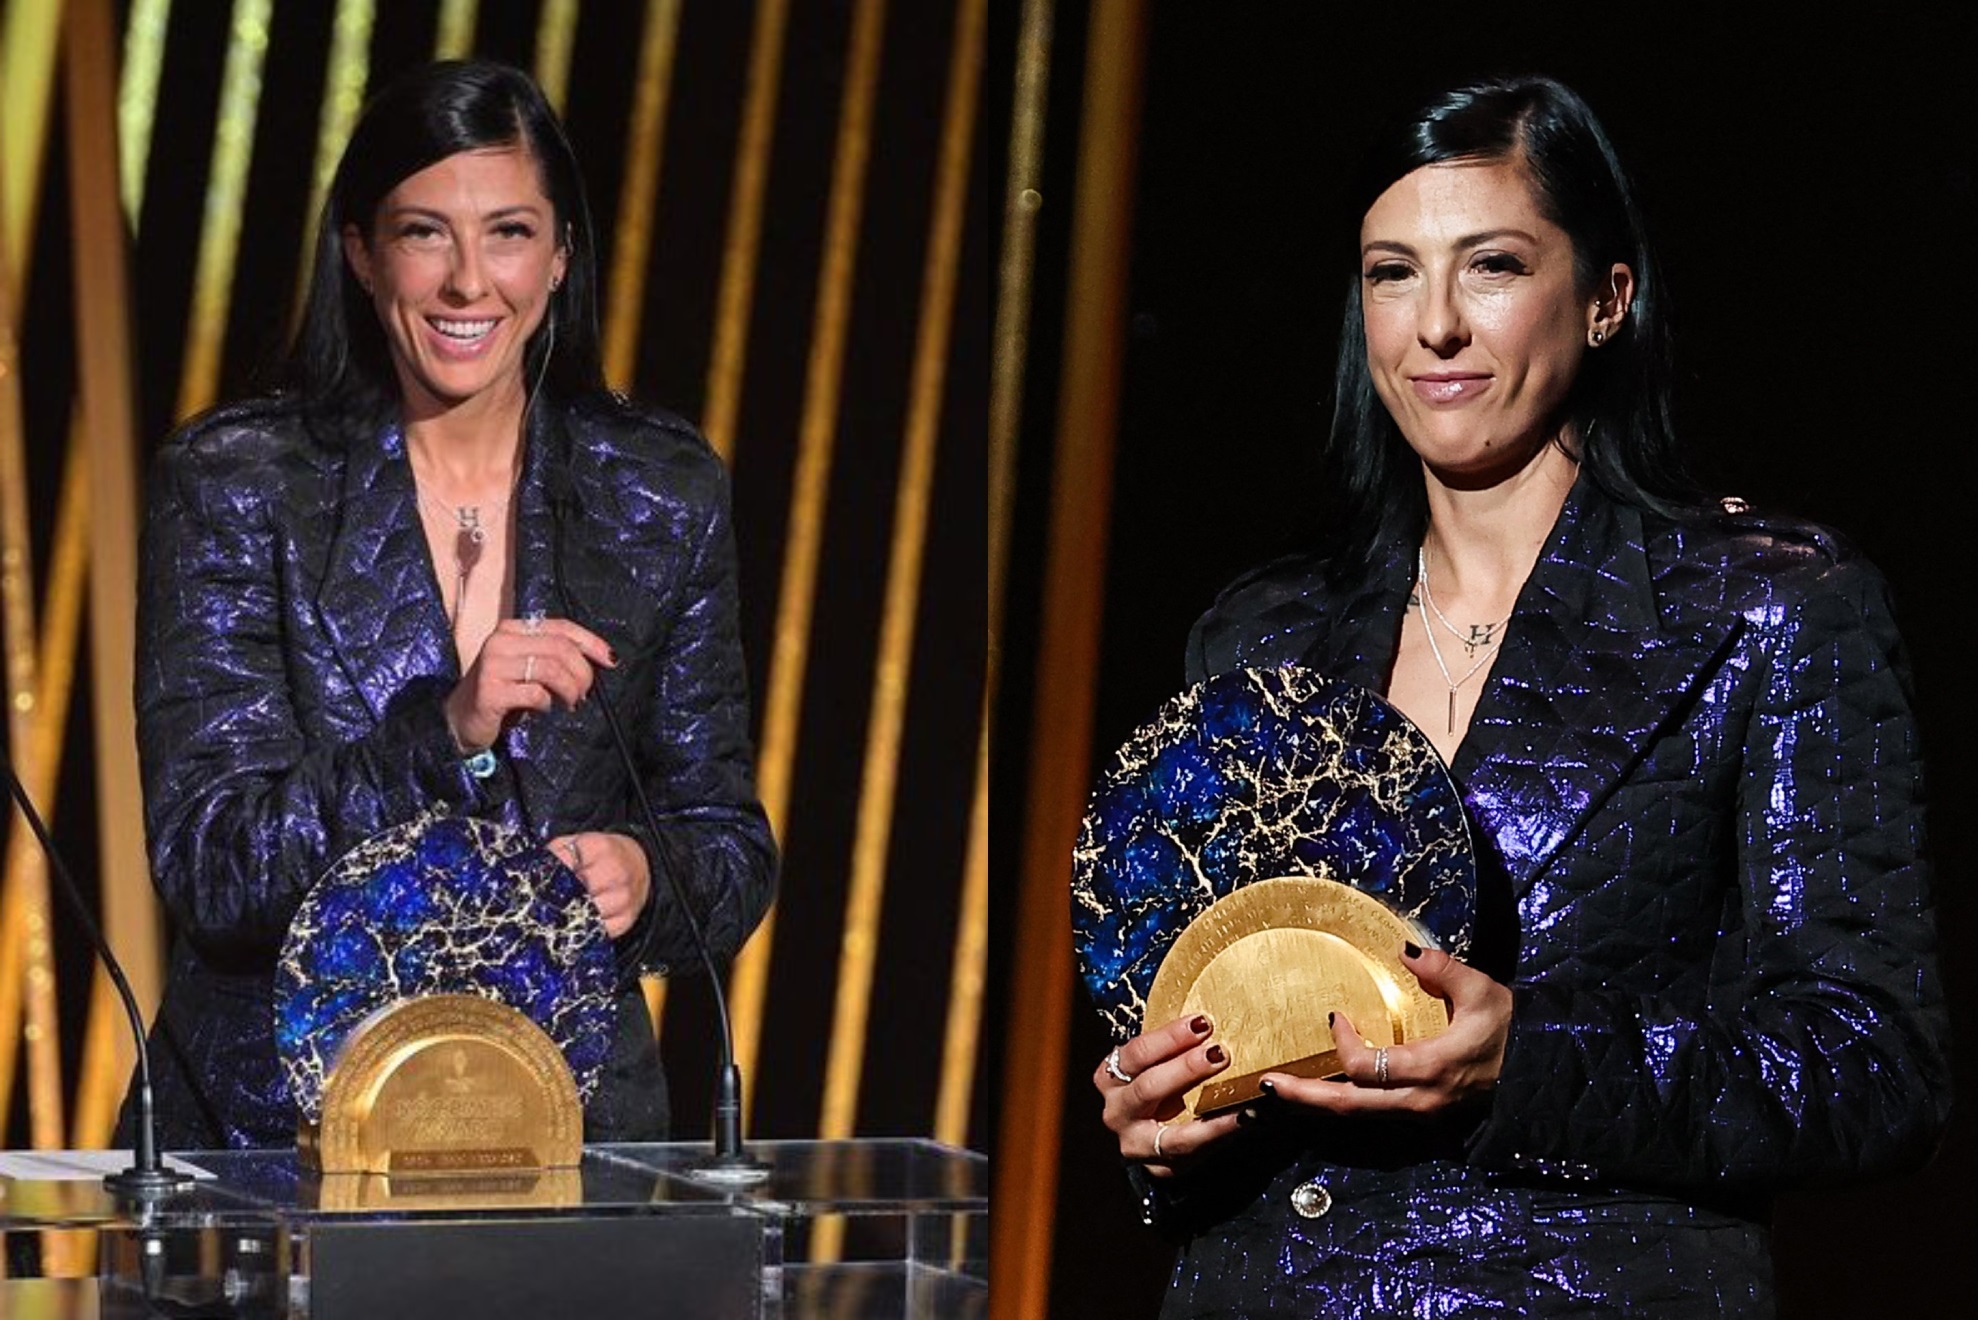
(1588, 676)
(379, 601)
(1359, 642)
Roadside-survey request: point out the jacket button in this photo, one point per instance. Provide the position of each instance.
(1310, 1200)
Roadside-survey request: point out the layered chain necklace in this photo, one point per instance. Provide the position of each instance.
(470, 536)
(1481, 640)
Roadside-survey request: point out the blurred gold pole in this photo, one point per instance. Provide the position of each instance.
(27, 78)
(887, 706)
(1068, 659)
(453, 38)
(226, 193)
(556, 28)
(723, 396)
(108, 425)
(137, 98)
(1010, 332)
(962, 1034)
(817, 427)
(344, 75)
(632, 236)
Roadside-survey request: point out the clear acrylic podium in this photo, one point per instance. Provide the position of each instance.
(877, 1228)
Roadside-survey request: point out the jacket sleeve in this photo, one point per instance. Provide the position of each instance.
(694, 748)
(241, 813)
(1819, 1052)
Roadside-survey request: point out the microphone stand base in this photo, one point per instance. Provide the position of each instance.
(137, 1184)
(730, 1171)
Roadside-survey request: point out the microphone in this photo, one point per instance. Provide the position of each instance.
(731, 1163)
(148, 1178)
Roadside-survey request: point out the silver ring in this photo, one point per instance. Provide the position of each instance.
(533, 622)
(1114, 1068)
(1382, 1066)
(1161, 1130)
(529, 668)
(577, 858)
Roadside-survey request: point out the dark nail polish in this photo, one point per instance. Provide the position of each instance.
(1330, 1021)
(1411, 951)
(1247, 1116)
(1266, 1085)
(1215, 1054)
(1199, 1024)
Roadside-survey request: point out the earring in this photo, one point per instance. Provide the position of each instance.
(1595, 338)
(556, 283)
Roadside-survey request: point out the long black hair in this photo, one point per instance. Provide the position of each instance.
(339, 361)
(1619, 406)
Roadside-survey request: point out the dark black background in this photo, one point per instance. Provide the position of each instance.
(1810, 194)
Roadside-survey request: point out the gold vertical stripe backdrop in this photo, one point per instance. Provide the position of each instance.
(27, 79)
(453, 37)
(137, 98)
(556, 26)
(226, 189)
(817, 429)
(745, 230)
(632, 236)
(1068, 651)
(107, 411)
(349, 64)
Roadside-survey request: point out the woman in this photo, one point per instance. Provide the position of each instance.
(1684, 740)
(393, 586)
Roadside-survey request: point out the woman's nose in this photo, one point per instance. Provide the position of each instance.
(464, 278)
(1440, 323)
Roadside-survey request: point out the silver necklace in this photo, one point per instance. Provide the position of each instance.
(469, 537)
(1489, 645)
(1485, 635)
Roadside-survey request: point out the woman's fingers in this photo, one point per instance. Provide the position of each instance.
(1153, 1047)
(594, 648)
(1182, 1140)
(1157, 1092)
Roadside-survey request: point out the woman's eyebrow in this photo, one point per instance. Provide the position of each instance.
(1457, 245)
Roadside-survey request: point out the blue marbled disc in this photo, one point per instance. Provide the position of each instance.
(443, 905)
(1254, 774)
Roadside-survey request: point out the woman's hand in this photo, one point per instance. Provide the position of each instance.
(612, 868)
(526, 664)
(1162, 1066)
(1424, 1076)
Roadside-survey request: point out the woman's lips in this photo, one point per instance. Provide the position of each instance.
(1450, 388)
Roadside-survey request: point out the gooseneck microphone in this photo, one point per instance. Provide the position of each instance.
(731, 1162)
(148, 1178)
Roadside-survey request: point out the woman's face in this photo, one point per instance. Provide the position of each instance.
(1475, 323)
(460, 264)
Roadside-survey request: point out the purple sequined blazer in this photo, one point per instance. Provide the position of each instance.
(293, 654)
(1694, 786)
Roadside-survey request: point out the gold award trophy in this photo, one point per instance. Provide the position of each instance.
(446, 1084)
(444, 1002)
(1270, 961)
(1259, 852)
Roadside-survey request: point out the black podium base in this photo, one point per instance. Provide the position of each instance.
(686, 1267)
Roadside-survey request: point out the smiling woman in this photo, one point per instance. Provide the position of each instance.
(1683, 735)
(361, 602)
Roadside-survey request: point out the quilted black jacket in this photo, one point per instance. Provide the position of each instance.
(1694, 785)
(293, 654)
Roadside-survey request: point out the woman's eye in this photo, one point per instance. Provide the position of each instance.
(1499, 263)
(419, 231)
(1386, 272)
(515, 229)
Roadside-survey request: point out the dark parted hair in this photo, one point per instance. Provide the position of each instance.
(1619, 404)
(339, 361)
